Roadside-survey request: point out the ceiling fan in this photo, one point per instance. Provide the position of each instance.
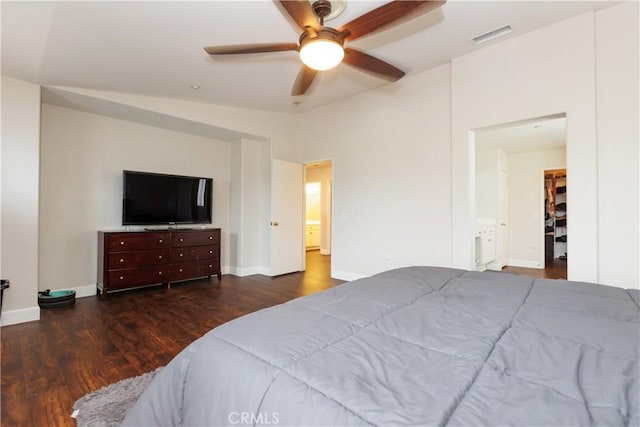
(322, 48)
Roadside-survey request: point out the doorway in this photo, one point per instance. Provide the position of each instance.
(555, 221)
(318, 180)
(509, 206)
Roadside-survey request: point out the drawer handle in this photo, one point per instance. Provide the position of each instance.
(160, 273)
(180, 270)
(210, 237)
(210, 252)
(159, 256)
(121, 259)
(160, 241)
(181, 254)
(181, 239)
(122, 243)
(121, 277)
(210, 266)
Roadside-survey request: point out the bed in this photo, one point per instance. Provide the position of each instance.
(416, 346)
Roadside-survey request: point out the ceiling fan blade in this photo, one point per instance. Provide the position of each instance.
(303, 81)
(385, 15)
(250, 48)
(301, 12)
(372, 65)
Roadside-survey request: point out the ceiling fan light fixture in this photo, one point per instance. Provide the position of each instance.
(321, 54)
(321, 47)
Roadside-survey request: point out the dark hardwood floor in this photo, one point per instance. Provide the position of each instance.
(47, 365)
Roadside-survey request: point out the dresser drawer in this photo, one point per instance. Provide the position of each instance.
(118, 242)
(118, 260)
(138, 276)
(187, 270)
(195, 253)
(193, 238)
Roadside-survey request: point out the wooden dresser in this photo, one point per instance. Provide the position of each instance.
(132, 259)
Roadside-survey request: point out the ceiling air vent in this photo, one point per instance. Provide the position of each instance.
(492, 34)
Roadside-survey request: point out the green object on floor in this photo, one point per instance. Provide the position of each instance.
(52, 299)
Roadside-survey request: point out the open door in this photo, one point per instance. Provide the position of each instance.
(286, 217)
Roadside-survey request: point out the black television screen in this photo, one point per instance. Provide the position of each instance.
(152, 199)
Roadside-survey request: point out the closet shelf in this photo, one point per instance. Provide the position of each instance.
(555, 225)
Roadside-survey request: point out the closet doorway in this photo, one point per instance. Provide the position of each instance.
(318, 180)
(555, 225)
(510, 164)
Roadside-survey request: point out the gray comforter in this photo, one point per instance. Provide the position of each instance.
(416, 346)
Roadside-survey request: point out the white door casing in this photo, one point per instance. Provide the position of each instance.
(502, 226)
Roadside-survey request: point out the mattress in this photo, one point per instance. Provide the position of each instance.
(416, 346)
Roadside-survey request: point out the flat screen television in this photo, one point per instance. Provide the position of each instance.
(157, 199)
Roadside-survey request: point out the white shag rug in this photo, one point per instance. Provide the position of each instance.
(108, 406)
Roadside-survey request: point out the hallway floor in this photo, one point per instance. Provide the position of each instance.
(317, 271)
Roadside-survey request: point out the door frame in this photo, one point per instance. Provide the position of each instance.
(502, 235)
(542, 209)
(331, 160)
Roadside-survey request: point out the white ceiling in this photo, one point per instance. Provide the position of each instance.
(155, 47)
(532, 135)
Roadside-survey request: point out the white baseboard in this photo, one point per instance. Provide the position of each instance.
(494, 266)
(85, 291)
(246, 271)
(344, 275)
(526, 263)
(13, 317)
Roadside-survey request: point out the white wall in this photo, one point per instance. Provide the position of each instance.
(403, 155)
(541, 73)
(487, 164)
(526, 203)
(278, 128)
(83, 156)
(617, 76)
(391, 165)
(491, 198)
(19, 193)
(250, 190)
